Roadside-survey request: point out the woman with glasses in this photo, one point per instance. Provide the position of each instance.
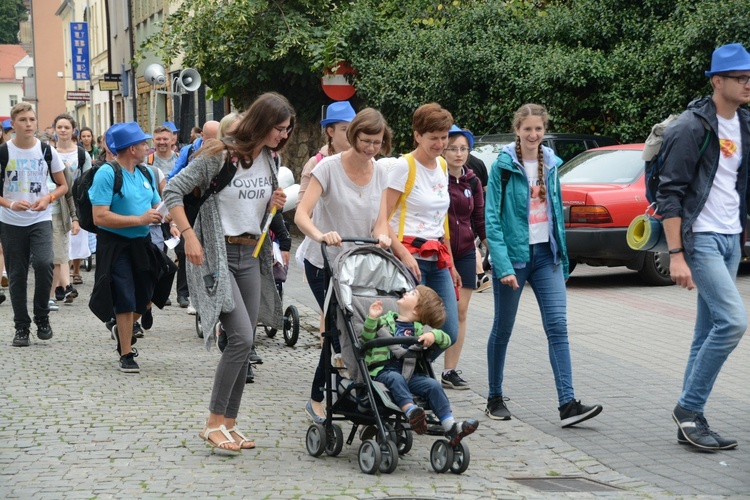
(346, 197)
(526, 235)
(466, 223)
(418, 202)
(230, 284)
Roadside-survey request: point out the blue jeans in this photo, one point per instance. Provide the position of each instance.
(548, 283)
(420, 385)
(721, 319)
(440, 280)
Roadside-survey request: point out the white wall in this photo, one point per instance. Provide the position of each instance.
(7, 90)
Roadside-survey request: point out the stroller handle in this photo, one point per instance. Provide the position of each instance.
(344, 239)
(386, 341)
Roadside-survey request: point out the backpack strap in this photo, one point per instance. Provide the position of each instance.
(410, 181)
(81, 158)
(504, 178)
(47, 152)
(3, 162)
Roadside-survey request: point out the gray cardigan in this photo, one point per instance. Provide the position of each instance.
(208, 229)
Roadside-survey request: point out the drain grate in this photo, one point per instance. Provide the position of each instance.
(562, 484)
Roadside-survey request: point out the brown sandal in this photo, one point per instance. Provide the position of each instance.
(77, 280)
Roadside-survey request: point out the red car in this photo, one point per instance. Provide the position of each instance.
(603, 189)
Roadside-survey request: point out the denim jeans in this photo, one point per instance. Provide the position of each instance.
(420, 385)
(24, 245)
(440, 280)
(548, 283)
(721, 319)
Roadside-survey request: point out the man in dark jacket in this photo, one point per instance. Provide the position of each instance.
(128, 264)
(702, 196)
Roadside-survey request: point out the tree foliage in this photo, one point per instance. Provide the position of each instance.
(12, 12)
(611, 67)
(245, 47)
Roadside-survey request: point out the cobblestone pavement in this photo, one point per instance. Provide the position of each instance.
(73, 426)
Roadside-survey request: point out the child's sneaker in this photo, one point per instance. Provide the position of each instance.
(417, 420)
(460, 430)
(69, 294)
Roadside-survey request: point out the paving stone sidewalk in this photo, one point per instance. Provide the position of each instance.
(73, 426)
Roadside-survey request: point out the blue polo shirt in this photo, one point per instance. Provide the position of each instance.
(138, 195)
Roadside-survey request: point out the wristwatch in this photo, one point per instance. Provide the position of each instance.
(676, 250)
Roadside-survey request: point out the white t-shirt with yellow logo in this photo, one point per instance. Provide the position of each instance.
(721, 213)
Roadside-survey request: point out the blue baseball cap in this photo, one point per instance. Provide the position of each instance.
(456, 130)
(171, 126)
(7, 125)
(124, 135)
(731, 57)
(340, 111)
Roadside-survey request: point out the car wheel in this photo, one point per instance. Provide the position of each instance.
(571, 266)
(655, 270)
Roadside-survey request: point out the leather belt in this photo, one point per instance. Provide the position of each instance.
(245, 239)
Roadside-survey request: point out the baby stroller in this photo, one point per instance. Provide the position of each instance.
(359, 276)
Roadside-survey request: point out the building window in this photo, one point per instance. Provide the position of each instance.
(13, 100)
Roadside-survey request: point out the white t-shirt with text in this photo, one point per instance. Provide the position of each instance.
(26, 179)
(243, 202)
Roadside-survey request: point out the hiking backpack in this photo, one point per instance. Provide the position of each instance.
(81, 186)
(654, 159)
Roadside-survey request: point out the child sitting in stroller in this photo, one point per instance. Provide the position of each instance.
(416, 309)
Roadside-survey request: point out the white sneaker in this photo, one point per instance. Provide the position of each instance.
(191, 310)
(53, 305)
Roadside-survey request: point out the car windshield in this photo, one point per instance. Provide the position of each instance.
(614, 166)
(488, 152)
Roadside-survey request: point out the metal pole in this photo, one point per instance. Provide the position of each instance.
(91, 87)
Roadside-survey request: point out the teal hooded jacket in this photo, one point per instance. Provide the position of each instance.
(508, 225)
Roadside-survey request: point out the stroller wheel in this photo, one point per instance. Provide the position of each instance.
(291, 326)
(88, 263)
(441, 456)
(271, 332)
(315, 440)
(369, 456)
(404, 439)
(389, 457)
(198, 326)
(334, 440)
(461, 458)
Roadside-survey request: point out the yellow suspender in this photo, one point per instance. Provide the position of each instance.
(410, 180)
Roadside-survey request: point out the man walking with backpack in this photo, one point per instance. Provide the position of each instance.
(702, 198)
(26, 218)
(129, 268)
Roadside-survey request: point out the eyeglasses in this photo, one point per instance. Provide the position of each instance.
(456, 150)
(287, 130)
(368, 142)
(742, 79)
